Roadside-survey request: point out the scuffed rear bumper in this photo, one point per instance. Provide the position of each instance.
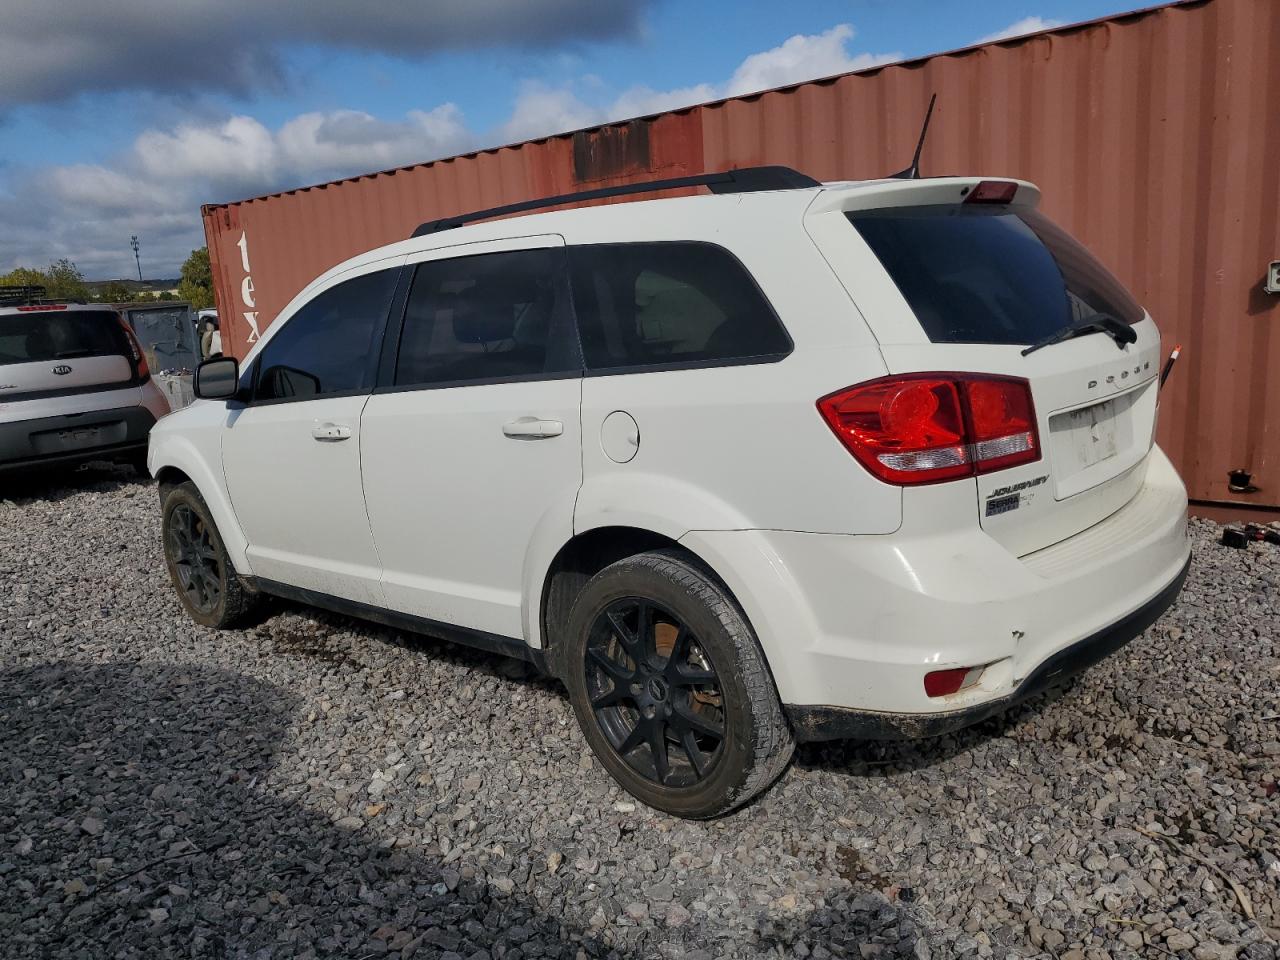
(59, 440)
(838, 723)
(854, 623)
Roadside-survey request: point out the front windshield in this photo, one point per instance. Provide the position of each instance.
(168, 338)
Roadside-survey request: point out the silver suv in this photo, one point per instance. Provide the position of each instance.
(74, 384)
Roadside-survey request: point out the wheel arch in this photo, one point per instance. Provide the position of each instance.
(586, 554)
(177, 461)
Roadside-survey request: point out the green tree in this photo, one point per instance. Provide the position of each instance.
(65, 281)
(62, 281)
(197, 280)
(24, 277)
(116, 292)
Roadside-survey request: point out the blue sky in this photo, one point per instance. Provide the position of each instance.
(114, 122)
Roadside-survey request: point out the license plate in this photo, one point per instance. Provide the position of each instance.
(1094, 431)
(85, 436)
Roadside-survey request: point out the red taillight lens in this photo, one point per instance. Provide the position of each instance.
(926, 428)
(992, 191)
(140, 368)
(941, 683)
(1002, 423)
(43, 306)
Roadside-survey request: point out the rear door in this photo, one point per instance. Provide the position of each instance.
(292, 455)
(56, 350)
(967, 287)
(471, 449)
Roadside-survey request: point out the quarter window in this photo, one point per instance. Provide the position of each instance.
(670, 304)
(330, 345)
(493, 316)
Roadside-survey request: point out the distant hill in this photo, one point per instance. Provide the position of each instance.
(134, 286)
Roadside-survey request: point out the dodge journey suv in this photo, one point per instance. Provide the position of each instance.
(786, 461)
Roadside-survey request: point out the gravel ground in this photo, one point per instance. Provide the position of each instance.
(319, 787)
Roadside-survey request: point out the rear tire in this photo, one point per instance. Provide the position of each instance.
(671, 688)
(207, 584)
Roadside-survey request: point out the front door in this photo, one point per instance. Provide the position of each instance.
(292, 455)
(472, 453)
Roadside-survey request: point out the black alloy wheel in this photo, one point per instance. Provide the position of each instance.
(655, 692)
(207, 584)
(196, 559)
(671, 688)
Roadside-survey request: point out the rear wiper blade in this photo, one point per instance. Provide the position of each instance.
(1119, 331)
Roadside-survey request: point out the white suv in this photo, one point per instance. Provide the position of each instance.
(74, 384)
(829, 460)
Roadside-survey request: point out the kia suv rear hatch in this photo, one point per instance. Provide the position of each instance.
(56, 349)
(1047, 385)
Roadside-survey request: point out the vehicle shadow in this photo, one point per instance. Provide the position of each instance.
(152, 810)
(852, 757)
(54, 484)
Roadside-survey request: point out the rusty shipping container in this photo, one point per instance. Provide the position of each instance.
(1153, 135)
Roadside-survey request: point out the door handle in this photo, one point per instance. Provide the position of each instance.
(330, 432)
(531, 428)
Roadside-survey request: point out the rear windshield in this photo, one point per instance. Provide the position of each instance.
(990, 275)
(59, 335)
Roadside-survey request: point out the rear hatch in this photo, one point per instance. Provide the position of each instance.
(56, 350)
(966, 287)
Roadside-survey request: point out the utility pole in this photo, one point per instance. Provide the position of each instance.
(133, 242)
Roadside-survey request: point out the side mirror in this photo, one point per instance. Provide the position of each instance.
(217, 379)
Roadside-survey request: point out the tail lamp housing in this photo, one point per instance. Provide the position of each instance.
(932, 427)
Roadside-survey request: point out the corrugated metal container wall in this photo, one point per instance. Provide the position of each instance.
(1151, 134)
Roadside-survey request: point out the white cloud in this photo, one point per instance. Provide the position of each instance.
(155, 188)
(1025, 25)
(802, 58)
(87, 212)
(310, 146)
(540, 110)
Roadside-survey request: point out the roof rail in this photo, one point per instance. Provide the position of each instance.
(742, 180)
(26, 294)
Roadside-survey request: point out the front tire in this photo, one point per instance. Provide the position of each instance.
(207, 584)
(671, 688)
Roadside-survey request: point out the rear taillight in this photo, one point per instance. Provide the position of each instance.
(40, 307)
(930, 427)
(139, 359)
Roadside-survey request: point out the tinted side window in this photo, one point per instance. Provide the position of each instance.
(330, 345)
(661, 304)
(492, 316)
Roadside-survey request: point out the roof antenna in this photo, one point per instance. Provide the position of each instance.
(913, 172)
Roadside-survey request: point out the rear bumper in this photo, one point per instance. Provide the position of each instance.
(841, 723)
(852, 624)
(75, 438)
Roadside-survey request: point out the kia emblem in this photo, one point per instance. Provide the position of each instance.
(62, 369)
